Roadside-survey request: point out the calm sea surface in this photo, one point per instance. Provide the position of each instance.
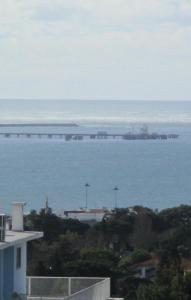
(150, 173)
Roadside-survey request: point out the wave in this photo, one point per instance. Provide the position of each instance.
(114, 113)
(97, 120)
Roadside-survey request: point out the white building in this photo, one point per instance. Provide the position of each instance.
(13, 254)
(15, 285)
(83, 215)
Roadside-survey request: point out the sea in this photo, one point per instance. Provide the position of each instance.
(151, 173)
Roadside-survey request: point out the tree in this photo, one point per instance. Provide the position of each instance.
(52, 225)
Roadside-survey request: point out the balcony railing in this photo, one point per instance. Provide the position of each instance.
(69, 288)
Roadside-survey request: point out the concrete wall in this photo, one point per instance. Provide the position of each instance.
(86, 216)
(1, 274)
(8, 279)
(20, 274)
(11, 278)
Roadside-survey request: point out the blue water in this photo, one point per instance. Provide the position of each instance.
(151, 173)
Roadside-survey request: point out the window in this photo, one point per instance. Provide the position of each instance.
(18, 258)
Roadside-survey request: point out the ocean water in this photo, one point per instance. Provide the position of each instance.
(96, 112)
(153, 173)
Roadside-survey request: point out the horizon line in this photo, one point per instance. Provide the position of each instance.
(93, 99)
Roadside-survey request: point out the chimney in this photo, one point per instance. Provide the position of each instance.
(17, 216)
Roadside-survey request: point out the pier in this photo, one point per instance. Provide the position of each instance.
(38, 125)
(91, 136)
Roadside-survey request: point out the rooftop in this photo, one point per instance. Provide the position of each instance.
(155, 261)
(152, 262)
(16, 237)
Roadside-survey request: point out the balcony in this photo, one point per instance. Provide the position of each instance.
(68, 288)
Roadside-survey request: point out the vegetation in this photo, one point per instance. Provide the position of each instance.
(115, 247)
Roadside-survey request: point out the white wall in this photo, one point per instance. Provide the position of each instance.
(86, 216)
(20, 274)
(1, 274)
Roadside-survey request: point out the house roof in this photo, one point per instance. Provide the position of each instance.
(15, 237)
(154, 262)
(90, 211)
(186, 264)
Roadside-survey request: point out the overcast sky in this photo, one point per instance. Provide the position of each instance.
(95, 49)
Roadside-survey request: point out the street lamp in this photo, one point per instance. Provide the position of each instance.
(86, 195)
(116, 189)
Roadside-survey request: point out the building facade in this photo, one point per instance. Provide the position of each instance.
(13, 256)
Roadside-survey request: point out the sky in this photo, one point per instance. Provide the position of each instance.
(95, 49)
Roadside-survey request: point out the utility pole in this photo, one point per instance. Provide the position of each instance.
(86, 195)
(46, 205)
(116, 189)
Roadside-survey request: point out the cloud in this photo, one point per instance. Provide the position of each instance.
(57, 47)
(185, 7)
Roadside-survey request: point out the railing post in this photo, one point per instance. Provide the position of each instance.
(69, 286)
(29, 286)
(109, 286)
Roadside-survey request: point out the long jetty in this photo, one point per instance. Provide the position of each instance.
(92, 136)
(38, 125)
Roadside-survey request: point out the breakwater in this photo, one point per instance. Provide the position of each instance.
(38, 125)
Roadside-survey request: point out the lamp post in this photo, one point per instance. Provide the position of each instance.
(86, 195)
(116, 189)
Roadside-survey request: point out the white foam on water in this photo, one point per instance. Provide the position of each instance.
(88, 113)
